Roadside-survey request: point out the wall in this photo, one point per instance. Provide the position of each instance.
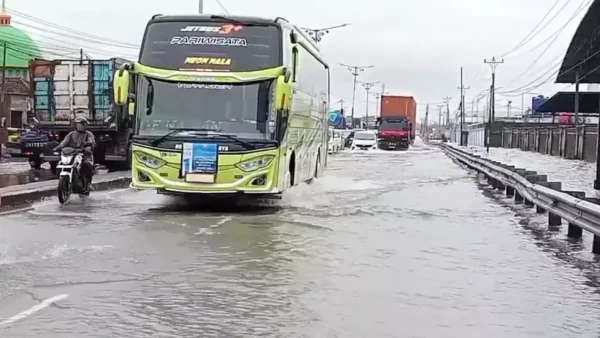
(566, 141)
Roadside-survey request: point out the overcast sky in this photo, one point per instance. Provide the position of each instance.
(417, 47)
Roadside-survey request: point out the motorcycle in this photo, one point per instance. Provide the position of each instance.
(70, 180)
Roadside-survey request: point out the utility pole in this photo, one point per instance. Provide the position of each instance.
(462, 106)
(489, 126)
(447, 101)
(3, 94)
(200, 6)
(508, 109)
(493, 64)
(368, 86)
(440, 106)
(318, 34)
(355, 71)
(426, 121)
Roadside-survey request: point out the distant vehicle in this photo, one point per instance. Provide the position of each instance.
(350, 137)
(345, 133)
(364, 140)
(66, 89)
(335, 144)
(393, 133)
(394, 107)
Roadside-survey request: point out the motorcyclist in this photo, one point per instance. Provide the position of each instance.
(83, 139)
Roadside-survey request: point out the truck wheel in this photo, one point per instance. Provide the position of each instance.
(35, 162)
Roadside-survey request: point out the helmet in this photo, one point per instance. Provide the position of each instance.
(81, 124)
(81, 119)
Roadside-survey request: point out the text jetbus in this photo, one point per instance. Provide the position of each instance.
(226, 104)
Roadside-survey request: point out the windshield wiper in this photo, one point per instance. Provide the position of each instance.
(248, 145)
(174, 131)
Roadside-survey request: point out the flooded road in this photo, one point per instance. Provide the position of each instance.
(384, 245)
(17, 171)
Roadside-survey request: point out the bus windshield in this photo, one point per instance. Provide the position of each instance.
(211, 46)
(394, 125)
(240, 110)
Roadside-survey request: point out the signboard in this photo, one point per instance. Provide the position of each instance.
(211, 46)
(536, 103)
(199, 162)
(335, 118)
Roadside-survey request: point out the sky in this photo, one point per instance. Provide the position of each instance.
(416, 48)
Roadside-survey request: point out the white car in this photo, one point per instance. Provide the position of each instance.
(364, 140)
(335, 144)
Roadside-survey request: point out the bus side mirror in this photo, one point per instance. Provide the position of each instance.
(283, 93)
(287, 75)
(131, 108)
(121, 85)
(294, 37)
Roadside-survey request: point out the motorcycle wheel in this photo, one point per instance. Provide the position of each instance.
(64, 189)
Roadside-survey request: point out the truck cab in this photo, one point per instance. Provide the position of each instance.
(394, 133)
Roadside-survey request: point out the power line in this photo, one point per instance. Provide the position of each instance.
(556, 35)
(529, 35)
(579, 9)
(355, 71)
(222, 7)
(63, 28)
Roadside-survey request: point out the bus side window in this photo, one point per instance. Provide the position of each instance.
(294, 62)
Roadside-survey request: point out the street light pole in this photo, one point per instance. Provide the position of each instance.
(318, 34)
(368, 86)
(354, 70)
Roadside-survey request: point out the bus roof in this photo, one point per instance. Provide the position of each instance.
(224, 18)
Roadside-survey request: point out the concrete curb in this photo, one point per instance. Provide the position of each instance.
(18, 199)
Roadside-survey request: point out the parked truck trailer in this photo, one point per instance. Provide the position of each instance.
(63, 90)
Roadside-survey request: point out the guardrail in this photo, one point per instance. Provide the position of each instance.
(531, 189)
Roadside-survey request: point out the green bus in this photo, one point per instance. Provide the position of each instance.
(226, 105)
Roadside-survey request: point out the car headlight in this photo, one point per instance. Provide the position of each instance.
(149, 160)
(255, 163)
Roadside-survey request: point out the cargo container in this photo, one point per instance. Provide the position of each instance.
(396, 124)
(63, 90)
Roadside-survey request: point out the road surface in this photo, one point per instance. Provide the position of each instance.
(400, 244)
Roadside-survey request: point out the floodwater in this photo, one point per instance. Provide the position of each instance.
(400, 244)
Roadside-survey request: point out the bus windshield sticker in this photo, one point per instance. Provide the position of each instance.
(204, 86)
(225, 29)
(209, 40)
(199, 60)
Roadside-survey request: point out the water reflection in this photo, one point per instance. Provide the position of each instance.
(25, 177)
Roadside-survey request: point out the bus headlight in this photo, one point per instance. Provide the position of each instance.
(149, 160)
(255, 163)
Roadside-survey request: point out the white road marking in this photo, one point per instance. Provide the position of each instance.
(33, 310)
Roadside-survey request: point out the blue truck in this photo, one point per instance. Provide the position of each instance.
(63, 90)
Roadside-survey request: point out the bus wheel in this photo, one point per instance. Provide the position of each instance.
(318, 165)
(316, 173)
(288, 180)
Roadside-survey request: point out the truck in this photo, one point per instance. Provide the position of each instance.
(396, 125)
(63, 90)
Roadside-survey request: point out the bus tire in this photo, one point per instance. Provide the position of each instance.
(318, 165)
(291, 173)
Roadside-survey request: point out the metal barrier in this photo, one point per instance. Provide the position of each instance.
(531, 189)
